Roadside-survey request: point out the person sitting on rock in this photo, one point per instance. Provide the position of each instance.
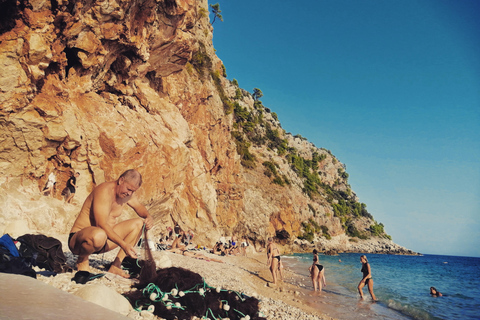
(96, 229)
(178, 242)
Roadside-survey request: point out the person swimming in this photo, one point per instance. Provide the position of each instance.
(434, 292)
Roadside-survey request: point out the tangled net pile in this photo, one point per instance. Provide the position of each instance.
(177, 293)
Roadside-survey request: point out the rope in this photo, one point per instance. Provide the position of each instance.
(240, 313)
(141, 236)
(156, 295)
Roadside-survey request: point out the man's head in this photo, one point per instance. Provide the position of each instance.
(132, 176)
(129, 182)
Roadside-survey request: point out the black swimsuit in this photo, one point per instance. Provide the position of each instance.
(365, 271)
(70, 184)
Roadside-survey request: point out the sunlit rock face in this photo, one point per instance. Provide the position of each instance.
(98, 87)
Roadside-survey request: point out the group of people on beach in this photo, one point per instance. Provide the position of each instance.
(317, 271)
(96, 231)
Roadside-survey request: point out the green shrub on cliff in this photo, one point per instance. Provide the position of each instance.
(238, 94)
(377, 230)
(227, 104)
(352, 231)
(271, 171)
(275, 141)
(201, 60)
(241, 114)
(274, 115)
(270, 167)
(311, 228)
(308, 232)
(224, 71)
(325, 232)
(302, 167)
(247, 159)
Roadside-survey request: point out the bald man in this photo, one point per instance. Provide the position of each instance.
(96, 229)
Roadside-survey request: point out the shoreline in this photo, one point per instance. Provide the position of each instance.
(248, 275)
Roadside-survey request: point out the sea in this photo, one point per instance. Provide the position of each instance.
(401, 285)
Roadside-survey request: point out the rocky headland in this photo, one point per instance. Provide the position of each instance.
(97, 87)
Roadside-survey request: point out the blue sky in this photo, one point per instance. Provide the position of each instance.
(392, 88)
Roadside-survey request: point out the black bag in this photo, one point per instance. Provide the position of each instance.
(10, 263)
(48, 251)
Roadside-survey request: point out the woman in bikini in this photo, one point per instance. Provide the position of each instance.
(273, 260)
(317, 272)
(367, 278)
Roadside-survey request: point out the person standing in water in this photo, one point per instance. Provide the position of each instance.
(367, 278)
(317, 272)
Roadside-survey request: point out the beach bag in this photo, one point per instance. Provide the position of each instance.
(48, 250)
(6, 242)
(11, 261)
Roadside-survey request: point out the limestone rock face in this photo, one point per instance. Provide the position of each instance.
(100, 87)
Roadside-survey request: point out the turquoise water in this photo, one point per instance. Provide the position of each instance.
(401, 284)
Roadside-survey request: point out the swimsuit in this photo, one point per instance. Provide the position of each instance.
(96, 252)
(70, 237)
(320, 267)
(364, 271)
(277, 257)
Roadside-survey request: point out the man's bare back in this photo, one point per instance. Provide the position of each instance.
(96, 229)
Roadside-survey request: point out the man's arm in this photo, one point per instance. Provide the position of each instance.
(142, 212)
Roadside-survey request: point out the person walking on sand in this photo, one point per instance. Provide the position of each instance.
(317, 272)
(72, 186)
(273, 260)
(96, 229)
(367, 278)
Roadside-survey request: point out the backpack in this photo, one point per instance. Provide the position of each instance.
(11, 261)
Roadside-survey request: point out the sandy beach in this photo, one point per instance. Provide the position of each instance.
(248, 275)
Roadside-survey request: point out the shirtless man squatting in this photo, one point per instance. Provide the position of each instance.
(96, 229)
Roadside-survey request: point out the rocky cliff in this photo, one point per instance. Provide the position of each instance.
(97, 87)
